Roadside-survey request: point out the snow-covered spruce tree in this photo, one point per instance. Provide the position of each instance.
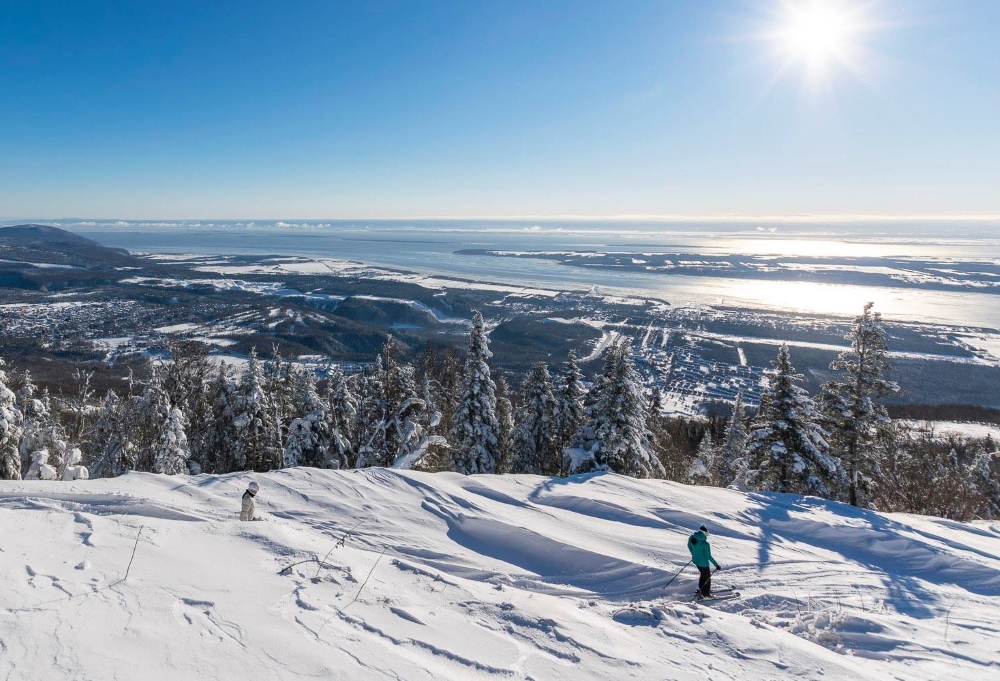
(534, 446)
(111, 451)
(172, 451)
(505, 417)
(341, 416)
(302, 444)
(443, 370)
(704, 469)
(39, 426)
(787, 449)
(309, 435)
(436, 457)
(44, 449)
(655, 400)
(73, 468)
(43, 431)
(27, 396)
(188, 383)
(403, 406)
(569, 394)
(149, 416)
(414, 425)
(475, 437)
(734, 466)
(984, 474)
(371, 411)
(614, 436)
(389, 386)
(40, 468)
(222, 436)
(284, 386)
(850, 414)
(401, 436)
(11, 421)
(255, 422)
(411, 423)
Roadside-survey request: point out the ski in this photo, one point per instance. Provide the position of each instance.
(719, 596)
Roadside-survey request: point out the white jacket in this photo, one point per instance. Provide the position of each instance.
(249, 506)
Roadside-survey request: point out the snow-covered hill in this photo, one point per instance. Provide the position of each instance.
(479, 577)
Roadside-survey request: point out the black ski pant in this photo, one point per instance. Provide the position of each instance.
(705, 581)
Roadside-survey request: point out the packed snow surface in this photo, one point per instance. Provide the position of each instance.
(450, 577)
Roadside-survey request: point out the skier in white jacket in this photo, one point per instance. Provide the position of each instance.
(249, 505)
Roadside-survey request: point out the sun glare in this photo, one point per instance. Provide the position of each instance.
(816, 31)
(818, 35)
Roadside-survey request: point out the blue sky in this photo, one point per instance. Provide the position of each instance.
(401, 109)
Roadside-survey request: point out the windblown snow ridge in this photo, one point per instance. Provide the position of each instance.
(518, 577)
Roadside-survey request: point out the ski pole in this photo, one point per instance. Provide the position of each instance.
(677, 575)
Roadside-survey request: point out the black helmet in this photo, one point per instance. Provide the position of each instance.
(704, 528)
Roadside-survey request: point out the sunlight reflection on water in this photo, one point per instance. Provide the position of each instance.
(431, 250)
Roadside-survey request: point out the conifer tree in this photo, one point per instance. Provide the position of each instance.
(505, 417)
(534, 446)
(341, 415)
(786, 445)
(984, 475)
(148, 416)
(734, 466)
(284, 385)
(111, 451)
(615, 436)
(40, 469)
(371, 412)
(308, 440)
(255, 422)
(172, 451)
(850, 412)
(476, 429)
(704, 470)
(221, 439)
(655, 400)
(39, 427)
(188, 383)
(569, 396)
(73, 468)
(11, 421)
(400, 436)
(395, 385)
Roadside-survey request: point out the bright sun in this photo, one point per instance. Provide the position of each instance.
(816, 31)
(820, 33)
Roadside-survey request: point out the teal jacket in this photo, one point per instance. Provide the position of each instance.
(701, 552)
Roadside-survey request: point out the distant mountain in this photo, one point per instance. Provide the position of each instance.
(41, 245)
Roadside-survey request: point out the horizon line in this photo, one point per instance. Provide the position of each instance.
(804, 218)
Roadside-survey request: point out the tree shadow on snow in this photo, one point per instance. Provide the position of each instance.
(887, 547)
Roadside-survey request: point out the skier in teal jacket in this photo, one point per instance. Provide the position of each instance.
(701, 556)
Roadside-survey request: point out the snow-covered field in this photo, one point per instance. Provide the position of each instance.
(943, 428)
(451, 577)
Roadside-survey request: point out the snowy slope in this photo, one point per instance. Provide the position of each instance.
(485, 576)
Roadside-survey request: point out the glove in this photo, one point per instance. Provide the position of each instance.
(718, 568)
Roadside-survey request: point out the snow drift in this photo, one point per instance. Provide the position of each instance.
(452, 577)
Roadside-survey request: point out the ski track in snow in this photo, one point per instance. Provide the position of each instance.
(481, 577)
